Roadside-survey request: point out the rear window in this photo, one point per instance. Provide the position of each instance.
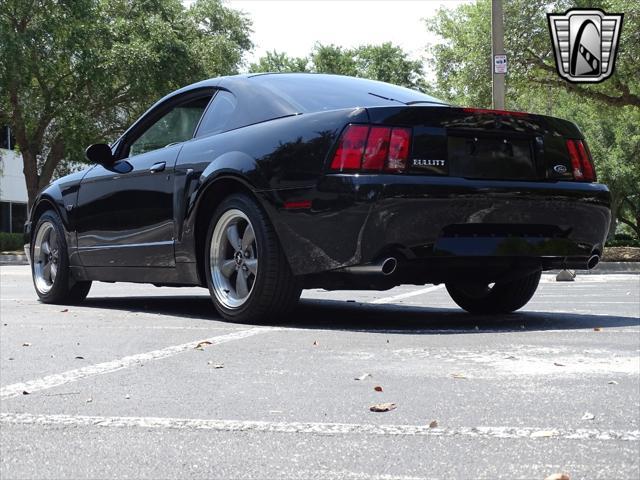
(317, 92)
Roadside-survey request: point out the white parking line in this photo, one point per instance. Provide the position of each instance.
(408, 294)
(69, 376)
(318, 428)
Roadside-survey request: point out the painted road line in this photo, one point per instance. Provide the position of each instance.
(408, 294)
(69, 376)
(318, 428)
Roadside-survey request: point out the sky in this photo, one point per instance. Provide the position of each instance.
(293, 26)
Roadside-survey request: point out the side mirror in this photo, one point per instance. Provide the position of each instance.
(100, 153)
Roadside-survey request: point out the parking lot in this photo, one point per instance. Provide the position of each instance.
(149, 383)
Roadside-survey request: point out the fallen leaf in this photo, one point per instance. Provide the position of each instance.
(558, 476)
(378, 388)
(559, 364)
(24, 392)
(201, 345)
(433, 424)
(458, 375)
(610, 382)
(79, 357)
(597, 329)
(543, 433)
(64, 311)
(363, 376)
(588, 416)
(26, 344)
(382, 407)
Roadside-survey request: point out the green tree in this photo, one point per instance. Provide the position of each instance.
(333, 59)
(76, 71)
(608, 113)
(385, 62)
(279, 62)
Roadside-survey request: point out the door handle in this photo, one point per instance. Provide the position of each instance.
(157, 167)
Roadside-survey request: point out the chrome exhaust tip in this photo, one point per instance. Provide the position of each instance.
(385, 267)
(593, 261)
(389, 265)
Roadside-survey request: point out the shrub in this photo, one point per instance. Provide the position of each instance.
(11, 241)
(623, 240)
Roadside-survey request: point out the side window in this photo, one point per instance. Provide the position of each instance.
(176, 126)
(218, 114)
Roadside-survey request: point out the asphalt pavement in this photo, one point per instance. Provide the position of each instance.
(146, 382)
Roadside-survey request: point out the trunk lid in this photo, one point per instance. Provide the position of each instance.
(483, 144)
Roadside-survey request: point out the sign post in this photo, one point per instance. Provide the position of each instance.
(499, 58)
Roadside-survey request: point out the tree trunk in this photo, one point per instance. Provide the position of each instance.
(30, 171)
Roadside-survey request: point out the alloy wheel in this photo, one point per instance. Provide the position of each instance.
(233, 259)
(46, 257)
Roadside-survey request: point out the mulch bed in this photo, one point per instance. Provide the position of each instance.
(621, 254)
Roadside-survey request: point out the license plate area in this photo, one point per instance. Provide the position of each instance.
(495, 156)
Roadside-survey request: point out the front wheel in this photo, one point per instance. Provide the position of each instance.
(50, 263)
(248, 276)
(501, 297)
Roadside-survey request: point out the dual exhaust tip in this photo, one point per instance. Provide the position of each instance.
(389, 265)
(384, 267)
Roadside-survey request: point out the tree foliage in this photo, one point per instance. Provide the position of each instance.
(280, 62)
(76, 71)
(608, 113)
(385, 62)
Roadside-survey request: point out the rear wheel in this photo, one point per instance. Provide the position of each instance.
(501, 297)
(50, 263)
(248, 276)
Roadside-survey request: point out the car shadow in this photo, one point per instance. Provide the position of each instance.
(356, 316)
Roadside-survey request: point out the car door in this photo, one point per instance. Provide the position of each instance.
(125, 214)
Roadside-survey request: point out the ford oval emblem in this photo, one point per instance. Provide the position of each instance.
(560, 169)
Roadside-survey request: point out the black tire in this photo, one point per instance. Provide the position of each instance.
(274, 290)
(64, 289)
(502, 297)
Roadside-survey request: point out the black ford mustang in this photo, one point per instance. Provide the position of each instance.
(257, 186)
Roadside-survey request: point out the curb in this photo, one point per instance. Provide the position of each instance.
(13, 260)
(612, 267)
(603, 268)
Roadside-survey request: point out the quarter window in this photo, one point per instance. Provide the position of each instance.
(218, 114)
(176, 126)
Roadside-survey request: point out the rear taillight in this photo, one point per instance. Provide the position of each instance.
(348, 156)
(581, 163)
(372, 148)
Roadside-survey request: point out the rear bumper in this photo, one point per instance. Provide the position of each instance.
(356, 219)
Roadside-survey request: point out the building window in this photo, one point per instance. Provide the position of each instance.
(6, 138)
(18, 217)
(13, 215)
(5, 217)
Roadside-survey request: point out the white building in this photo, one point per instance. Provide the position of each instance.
(13, 190)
